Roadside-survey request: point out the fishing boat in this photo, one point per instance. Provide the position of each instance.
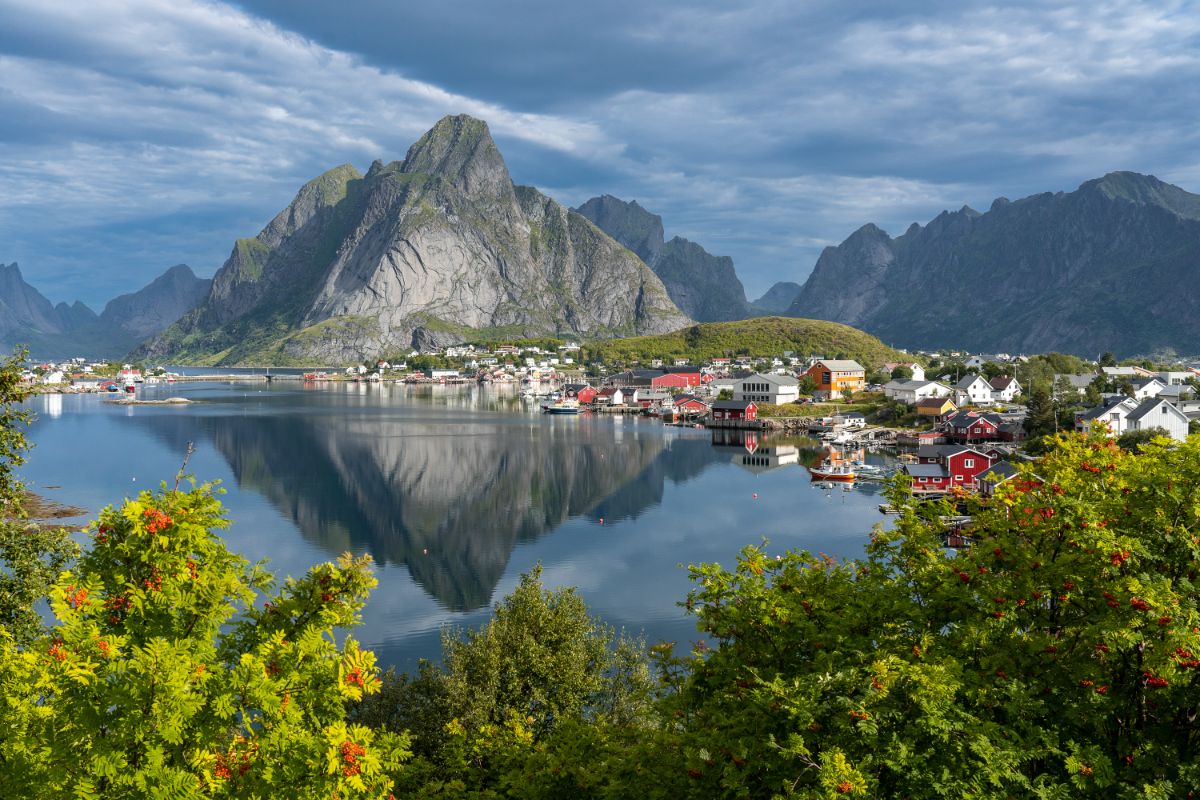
(830, 471)
(563, 407)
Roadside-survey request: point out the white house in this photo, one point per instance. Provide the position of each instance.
(1145, 388)
(914, 391)
(1004, 388)
(918, 372)
(55, 376)
(1113, 412)
(972, 390)
(760, 388)
(1154, 413)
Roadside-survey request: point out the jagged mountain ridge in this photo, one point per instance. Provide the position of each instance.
(704, 286)
(62, 331)
(1111, 266)
(438, 248)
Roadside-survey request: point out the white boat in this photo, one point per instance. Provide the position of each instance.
(563, 407)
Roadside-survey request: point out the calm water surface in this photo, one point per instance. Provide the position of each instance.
(455, 491)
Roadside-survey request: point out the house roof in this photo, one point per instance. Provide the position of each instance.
(690, 398)
(925, 470)
(965, 419)
(842, 365)
(1077, 381)
(1002, 470)
(576, 387)
(934, 402)
(1003, 382)
(765, 377)
(965, 381)
(732, 405)
(907, 385)
(1108, 404)
(1150, 404)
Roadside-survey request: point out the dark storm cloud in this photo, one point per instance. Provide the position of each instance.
(141, 133)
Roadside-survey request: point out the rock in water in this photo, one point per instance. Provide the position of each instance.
(438, 248)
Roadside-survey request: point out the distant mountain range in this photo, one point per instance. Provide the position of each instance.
(63, 331)
(442, 247)
(1114, 265)
(431, 250)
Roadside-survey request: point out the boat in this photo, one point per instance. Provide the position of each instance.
(563, 407)
(829, 471)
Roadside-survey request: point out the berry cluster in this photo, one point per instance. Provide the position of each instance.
(156, 520)
(350, 753)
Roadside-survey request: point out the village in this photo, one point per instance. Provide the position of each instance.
(955, 428)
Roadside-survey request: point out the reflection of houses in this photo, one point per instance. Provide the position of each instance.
(753, 452)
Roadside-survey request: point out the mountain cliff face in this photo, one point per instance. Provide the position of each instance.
(63, 331)
(434, 249)
(779, 297)
(1111, 266)
(704, 286)
(153, 308)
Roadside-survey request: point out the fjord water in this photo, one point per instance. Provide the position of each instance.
(454, 491)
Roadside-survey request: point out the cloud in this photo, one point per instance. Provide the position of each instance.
(139, 134)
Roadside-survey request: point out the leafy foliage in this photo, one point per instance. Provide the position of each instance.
(161, 677)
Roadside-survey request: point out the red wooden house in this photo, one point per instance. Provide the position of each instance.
(735, 410)
(674, 380)
(940, 468)
(582, 392)
(971, 426)
(690, 404)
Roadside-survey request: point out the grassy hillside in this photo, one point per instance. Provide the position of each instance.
(762, 336)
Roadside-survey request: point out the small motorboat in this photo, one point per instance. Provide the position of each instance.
(829, 471)
(563, 407)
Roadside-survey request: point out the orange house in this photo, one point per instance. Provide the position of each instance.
(837, 375)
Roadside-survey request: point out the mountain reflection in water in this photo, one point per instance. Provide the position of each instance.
(450, 498)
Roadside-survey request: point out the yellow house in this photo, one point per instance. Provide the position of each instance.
(936, 407)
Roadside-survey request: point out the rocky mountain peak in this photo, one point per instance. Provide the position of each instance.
(461, 150)
(628, 223)
(1144, 190)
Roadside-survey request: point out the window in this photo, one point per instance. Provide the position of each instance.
(958, 478)
(968, 463)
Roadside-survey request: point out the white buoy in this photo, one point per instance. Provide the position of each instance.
(756, 495)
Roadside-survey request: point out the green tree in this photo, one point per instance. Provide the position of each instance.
(1055, 656)
(902, 372)
(1135, 441)
(31, 555)
(161, 677)
(1107, 359)
(13, 444)
(542, 662)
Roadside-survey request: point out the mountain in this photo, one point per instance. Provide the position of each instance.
(779, 297)
(438, 248)
(1111, 266)
(153, 308)
(64, 331)
(762, 336)
(704, 286)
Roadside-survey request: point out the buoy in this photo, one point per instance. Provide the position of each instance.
(602, 520)
(424, 551)
(756, 495)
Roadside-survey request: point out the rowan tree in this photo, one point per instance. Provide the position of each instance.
(1057, 656)
(163, 677)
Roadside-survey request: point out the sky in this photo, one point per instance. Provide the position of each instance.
(138, 134)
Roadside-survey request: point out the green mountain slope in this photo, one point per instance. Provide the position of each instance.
(763, 336)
